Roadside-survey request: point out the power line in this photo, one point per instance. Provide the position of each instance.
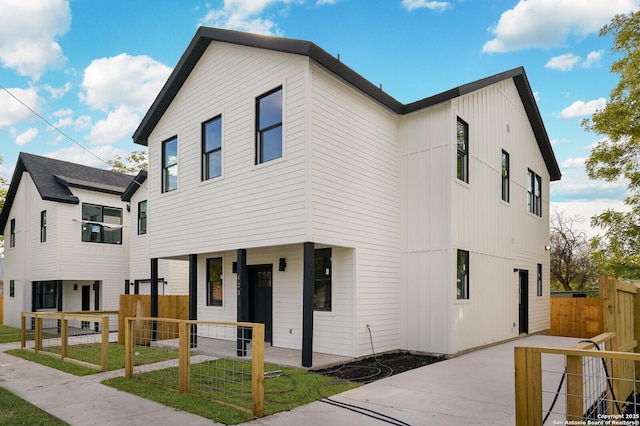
(52, 125)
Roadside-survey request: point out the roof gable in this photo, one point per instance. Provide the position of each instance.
(54, 178)
(206, 35)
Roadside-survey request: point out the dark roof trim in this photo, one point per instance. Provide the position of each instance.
(205, 35)
(134, 185)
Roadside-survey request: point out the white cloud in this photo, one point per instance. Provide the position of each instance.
(58, 92)
(556, 141)
(549, 23)
(438, 6)
(83, 122)
(28, 30)
(133, 81)
(572, 163)
(12, 111)
(586, 210)
(96, 158)
(26, 136)
(62, 112)
(564, 62)
(593, 59)
(119, 124)
(582, 109)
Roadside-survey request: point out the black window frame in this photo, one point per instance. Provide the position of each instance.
(207, 154)
(505, 163)
(534, 193)
(462, 275)
(99, 228)
(462, 153)
(211, 285)
(142, 219)
(12, 233)
(168, 167)
(261, 131)
(539, 280)
(46, 295)
(322, 279)
(12, 288)
(43, 226)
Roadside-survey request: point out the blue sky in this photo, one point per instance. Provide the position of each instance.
(92, 68)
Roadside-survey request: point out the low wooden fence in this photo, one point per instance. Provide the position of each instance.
(139, 305)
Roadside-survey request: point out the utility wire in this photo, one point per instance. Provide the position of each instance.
(52, 125)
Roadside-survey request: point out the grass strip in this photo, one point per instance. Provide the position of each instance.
(9, 334)
(17, 412)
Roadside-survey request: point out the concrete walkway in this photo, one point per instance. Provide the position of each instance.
(475, 388)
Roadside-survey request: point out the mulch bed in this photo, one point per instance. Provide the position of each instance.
(370, 369)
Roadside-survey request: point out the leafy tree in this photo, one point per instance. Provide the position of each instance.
(617, 156)
(131, 165)
(572, 266)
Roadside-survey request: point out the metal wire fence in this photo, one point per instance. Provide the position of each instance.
(71, 336)
(219, 361)
(587, 384)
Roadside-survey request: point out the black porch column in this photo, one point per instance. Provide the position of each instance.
(59, 302)
(127, 283)
(243, 301)
(34, 302)
(136, 287)
(154, 299)
(193, 297)
(96, 301)
(307, 304)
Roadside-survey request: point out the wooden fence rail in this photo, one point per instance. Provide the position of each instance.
(576, 317)
(139, 305)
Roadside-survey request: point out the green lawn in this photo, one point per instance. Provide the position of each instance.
(9, 334)
(16, 411)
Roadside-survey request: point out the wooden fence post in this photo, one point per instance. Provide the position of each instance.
(257, 371)
(38, 334)
(184, 349)
(23, 331)
(105, 343)
(575, 388)
(528, 366)
(128, 347)
(64, 337)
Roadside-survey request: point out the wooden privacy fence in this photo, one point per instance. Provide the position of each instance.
(576, 317)
(139, 305)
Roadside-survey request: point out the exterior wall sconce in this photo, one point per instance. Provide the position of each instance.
(515, 269)
(282, 265)
(547, 247)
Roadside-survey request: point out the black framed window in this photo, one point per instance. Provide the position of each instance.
(142, 217)
(322, 280)
(269, 126)
(214, 281)
(462, 136)
(539, 280)
(170, 164)
(43, 226)
(505, 176)
(46, 294)
(12, 234)
(101, 224)
(462, 286)
(12, 288)
(212, 148)
(534, 193)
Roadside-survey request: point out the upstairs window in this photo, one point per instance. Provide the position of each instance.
(101, 224)
(462, 286)
(214, 281)
(170, 164)
(12, 235)
(212, 148)
(43, 226)
(269, 126)
(462, 136)
(505, 176)
(46, 294)
(534, 193)
(142, 217)
(539, 281)
(322, 280)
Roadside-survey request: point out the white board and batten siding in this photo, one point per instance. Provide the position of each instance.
(250, 205)
(354, 187)
(499, 236)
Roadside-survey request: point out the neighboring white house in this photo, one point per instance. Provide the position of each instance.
(66, 238)
(307, 198)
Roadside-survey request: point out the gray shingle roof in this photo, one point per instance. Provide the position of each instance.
(206, 35)
(55, 178)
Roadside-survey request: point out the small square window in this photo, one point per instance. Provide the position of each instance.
(462, 287)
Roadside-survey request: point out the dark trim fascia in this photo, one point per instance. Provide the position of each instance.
(134, 185)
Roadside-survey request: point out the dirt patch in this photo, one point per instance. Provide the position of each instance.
(374, 368)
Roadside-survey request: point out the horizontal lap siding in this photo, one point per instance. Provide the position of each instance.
(355, 203)
(249, 206)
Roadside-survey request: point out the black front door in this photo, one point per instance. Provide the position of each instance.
(524, 301)
(260, 297)
(86, 302)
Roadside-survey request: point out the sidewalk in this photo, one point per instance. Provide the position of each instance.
(475, 388)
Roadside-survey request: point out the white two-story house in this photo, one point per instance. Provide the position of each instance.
(305, 197)
(66, 233)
